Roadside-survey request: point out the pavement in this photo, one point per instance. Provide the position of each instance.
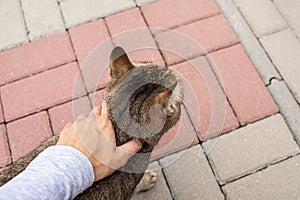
(241, 87)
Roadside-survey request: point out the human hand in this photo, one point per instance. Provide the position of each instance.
(94, 136)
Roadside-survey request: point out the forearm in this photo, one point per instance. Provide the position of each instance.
(60, 172)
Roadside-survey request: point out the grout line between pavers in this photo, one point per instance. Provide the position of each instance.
(166, 180)
(50, 122)
(37, 73)
(8, 144)
(61, 14)
(24, 20)
(262, 168)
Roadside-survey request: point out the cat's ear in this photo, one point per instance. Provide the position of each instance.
(119, 63)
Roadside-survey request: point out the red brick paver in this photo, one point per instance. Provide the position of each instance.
(211, 109)
(4, 151)
(66, 113)
(126, 23)
(1, 112)
(27, 133)
(209, 34)
(34, 57)
(169, 14)
(41, 91)
(243, 86)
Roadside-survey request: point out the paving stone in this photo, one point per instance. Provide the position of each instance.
(250, 148)
(290, 10)
(13, 31)
(189, 175)
(172, 13)
(160, 189)
(204, 98)
(129, 30)
(35, 57)
(256, 53)
(284, 50)
(262, 16)
(280, 181)
(1, 112)
(27, 133)
(41, 91)
(242, 83)
(287, 105)
(68, 112)
(142, 2)
(208, 34)
(96, 98)
(42, 19)
(80, 11)
(4, 149)
(93, 53)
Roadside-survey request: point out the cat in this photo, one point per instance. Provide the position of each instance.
(143, 98)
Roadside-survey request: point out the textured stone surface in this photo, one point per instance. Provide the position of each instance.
(79, 11)
(250, 148)
(262, 16)
(68, 112)
(160, 189)
(284, 50)
(255, 51)
(42, 19)
(280, 181)
(172, 13)
(13, 31)
(27, 133)
(4, 150)
(1, 112)
(41, 91)
(208, 35)
(290, 10)
(35, 57)
(142, 2)
(189, 176)
(242, 83)
(287, 105)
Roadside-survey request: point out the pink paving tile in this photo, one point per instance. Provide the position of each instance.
(1, 112)
(68, 112)
(208, 35)
(4, 150)
(204, 99)
(93, 61)
(34, 57)
(41, 91)
(243, 86)
(96, 98)
(172, 13)
(87, 36)
(129, 30)
(27, 133)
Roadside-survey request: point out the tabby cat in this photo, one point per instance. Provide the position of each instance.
(144, 102)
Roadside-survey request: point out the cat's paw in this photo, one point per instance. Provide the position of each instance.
(147, 182)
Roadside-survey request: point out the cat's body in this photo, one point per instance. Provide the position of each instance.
(121, 184)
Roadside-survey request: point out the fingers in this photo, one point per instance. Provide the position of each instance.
(104, 109)
(96, 111)
(126, 150)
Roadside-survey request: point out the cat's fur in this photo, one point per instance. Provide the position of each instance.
(121, 184)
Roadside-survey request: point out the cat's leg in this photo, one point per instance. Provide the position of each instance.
(147, 182)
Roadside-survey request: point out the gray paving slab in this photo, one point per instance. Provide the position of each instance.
(12, 26)
(142, 2)
(291, 12)
(80, 11)
(262, 16)
(190, 176)
(160, 189)
(249, 41)
(277, 182)
(287, 105)
(42, 19)
(284, 50)
(250, 148)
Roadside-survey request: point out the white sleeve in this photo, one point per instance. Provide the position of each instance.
(59, 172)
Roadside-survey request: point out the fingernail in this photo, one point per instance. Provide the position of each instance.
(138, 142)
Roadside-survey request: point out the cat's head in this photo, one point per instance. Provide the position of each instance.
(142, 95)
